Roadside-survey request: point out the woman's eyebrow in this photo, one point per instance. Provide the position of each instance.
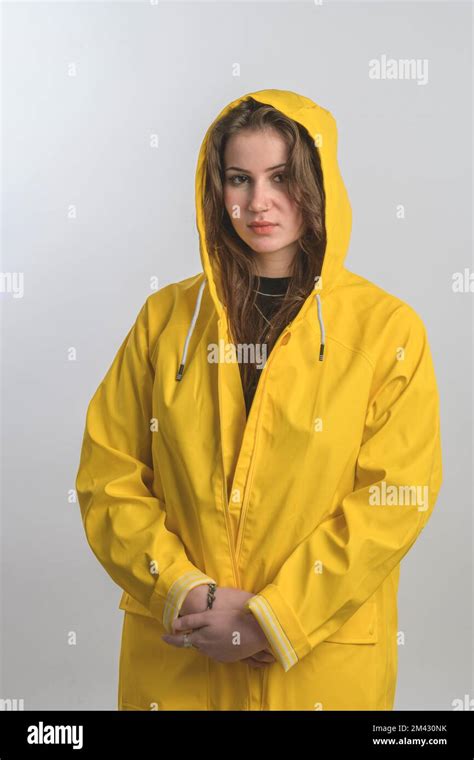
(247, 171)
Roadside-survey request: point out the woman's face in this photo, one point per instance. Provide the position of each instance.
(255, 190)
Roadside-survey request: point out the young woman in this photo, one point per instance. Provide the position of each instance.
(265, 447)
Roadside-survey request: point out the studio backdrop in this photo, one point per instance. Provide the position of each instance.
(104, 109)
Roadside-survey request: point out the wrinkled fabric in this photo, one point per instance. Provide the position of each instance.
(310, 503)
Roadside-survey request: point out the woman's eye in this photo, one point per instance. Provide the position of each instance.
(237, 177)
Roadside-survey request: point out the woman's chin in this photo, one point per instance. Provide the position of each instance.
(265, 246)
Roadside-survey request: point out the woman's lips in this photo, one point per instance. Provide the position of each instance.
(262, 229)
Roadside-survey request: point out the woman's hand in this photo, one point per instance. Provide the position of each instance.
(226, 598)
(261, 659)
(215, 634)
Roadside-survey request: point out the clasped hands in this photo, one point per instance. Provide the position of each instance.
(213, 630)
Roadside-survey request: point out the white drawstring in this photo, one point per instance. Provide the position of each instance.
(190, 331)
(196, 313)
(321, 325)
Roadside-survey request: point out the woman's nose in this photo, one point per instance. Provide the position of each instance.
(259, 200)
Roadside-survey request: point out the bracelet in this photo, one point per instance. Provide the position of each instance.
(211, 595)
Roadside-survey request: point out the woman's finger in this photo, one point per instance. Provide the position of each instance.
(177, 640)
(264, 656)
(255, 663)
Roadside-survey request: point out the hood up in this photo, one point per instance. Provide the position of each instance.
(322, 127)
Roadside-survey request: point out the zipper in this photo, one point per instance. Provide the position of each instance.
(228, 525)
(235, 553)
(263, 379)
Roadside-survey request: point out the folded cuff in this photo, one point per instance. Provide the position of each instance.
(280, 625)
(171, 589)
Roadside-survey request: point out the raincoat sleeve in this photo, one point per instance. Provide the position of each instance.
(362, 538)
(124, 520)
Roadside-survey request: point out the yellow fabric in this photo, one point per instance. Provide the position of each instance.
(177, 487)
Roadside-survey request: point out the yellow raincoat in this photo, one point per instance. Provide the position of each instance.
(310, 503)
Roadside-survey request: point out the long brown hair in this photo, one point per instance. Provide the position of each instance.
(234, 259)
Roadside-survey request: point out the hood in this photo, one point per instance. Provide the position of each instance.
(322, 126)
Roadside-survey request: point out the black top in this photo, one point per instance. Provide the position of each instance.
(271, 289)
